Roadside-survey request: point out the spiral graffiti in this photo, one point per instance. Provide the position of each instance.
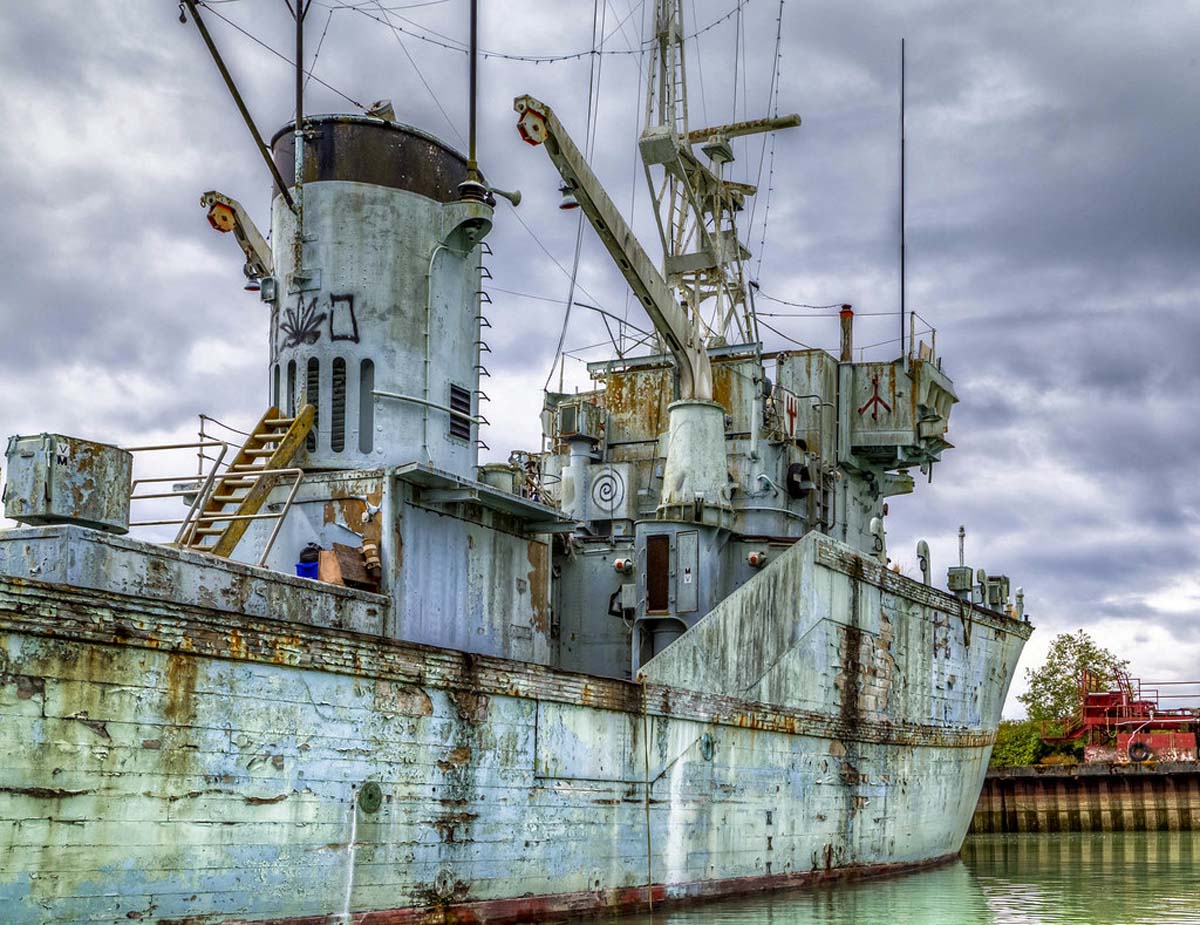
(608, 491)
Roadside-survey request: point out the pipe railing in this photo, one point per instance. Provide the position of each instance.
(201, 493)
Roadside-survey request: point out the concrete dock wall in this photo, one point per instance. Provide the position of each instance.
(1163, 796)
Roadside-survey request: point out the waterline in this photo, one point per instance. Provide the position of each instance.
(1077, 879)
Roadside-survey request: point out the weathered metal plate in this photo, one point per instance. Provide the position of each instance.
(367, 150)
(55, 479)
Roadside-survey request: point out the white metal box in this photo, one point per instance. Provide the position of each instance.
(54, 479)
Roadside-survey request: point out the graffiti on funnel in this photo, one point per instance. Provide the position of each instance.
(302, 324)
(343, 325)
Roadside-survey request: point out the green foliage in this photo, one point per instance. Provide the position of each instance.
(1018, 742)
(1054, 688)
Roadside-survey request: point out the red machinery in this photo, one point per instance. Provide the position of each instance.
(1128, 723)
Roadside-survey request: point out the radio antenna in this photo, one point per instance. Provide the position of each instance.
(903, 354)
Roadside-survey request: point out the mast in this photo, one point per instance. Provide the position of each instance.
(902, 185)
(695, 206)
(280, 185)
(694, 209)
(472, 187)
(299, 11)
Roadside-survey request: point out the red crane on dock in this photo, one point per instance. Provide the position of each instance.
(1128, 722)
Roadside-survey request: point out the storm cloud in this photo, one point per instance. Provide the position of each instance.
(1053, 235)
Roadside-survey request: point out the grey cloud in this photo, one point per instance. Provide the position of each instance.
(1053, 230)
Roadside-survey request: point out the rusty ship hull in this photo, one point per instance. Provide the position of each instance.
(209, 761)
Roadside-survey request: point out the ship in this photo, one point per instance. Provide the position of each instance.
(362, 677)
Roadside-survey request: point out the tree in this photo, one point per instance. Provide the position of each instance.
(1054, 688)
(1018, 743)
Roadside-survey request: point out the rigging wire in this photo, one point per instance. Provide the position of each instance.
(317, 54)
(700, 69)
(773, 109)
(545, 250)
(598, 17)
(807, 315)
(390, 9)
(452, 44)
(207, 4)
(621, 24)
(421, 76)
(785, 336)
(770, 298)
(737, 49)
(554, 301)
(637, 116)
(739, 64)
(762, 242)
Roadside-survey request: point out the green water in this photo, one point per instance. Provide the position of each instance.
(1101, 879)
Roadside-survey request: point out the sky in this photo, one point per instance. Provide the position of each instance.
(1052, 223)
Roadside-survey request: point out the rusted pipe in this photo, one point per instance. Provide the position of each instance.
(847, 316)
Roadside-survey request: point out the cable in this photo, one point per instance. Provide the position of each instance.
(621, 25)
(546, 251)
(634, 184)
(592, 308)
(452, 44)
(786, 337)
(770, 298)
(737, 49)
(700, 71)
(772, 109)
(825, 315)
(390, 9)
(589, 143)
(207, 4)
(317, 54)
(411, 60)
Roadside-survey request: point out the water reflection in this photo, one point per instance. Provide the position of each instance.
(1113, 879)
(1079, 879)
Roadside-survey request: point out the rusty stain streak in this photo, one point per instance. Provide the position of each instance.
(263, 801)
(456, 758)
(180, 707)
(95, 725)
(447, 823)
(28, 687)
(45, 793)
(189, 795)
(470, 705)
(539, 584)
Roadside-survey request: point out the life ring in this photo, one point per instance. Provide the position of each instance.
(1139, 751)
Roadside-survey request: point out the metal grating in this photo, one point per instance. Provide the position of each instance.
(337, 413)
(460, 406)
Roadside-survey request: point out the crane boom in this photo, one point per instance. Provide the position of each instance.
(539, 125)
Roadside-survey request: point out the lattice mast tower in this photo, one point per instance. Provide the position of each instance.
(695, 207)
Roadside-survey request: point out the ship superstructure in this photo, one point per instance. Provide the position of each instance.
(660, 657)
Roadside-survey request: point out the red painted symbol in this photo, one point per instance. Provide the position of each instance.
(792, 411)
(875, 401)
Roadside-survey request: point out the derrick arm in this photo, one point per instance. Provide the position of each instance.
(538, 125)
(225, 215)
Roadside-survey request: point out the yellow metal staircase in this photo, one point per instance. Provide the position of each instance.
(240, 492)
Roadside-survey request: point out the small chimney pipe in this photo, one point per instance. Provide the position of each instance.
(847, 316)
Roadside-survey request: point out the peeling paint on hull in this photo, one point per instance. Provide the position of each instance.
(171, 762)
